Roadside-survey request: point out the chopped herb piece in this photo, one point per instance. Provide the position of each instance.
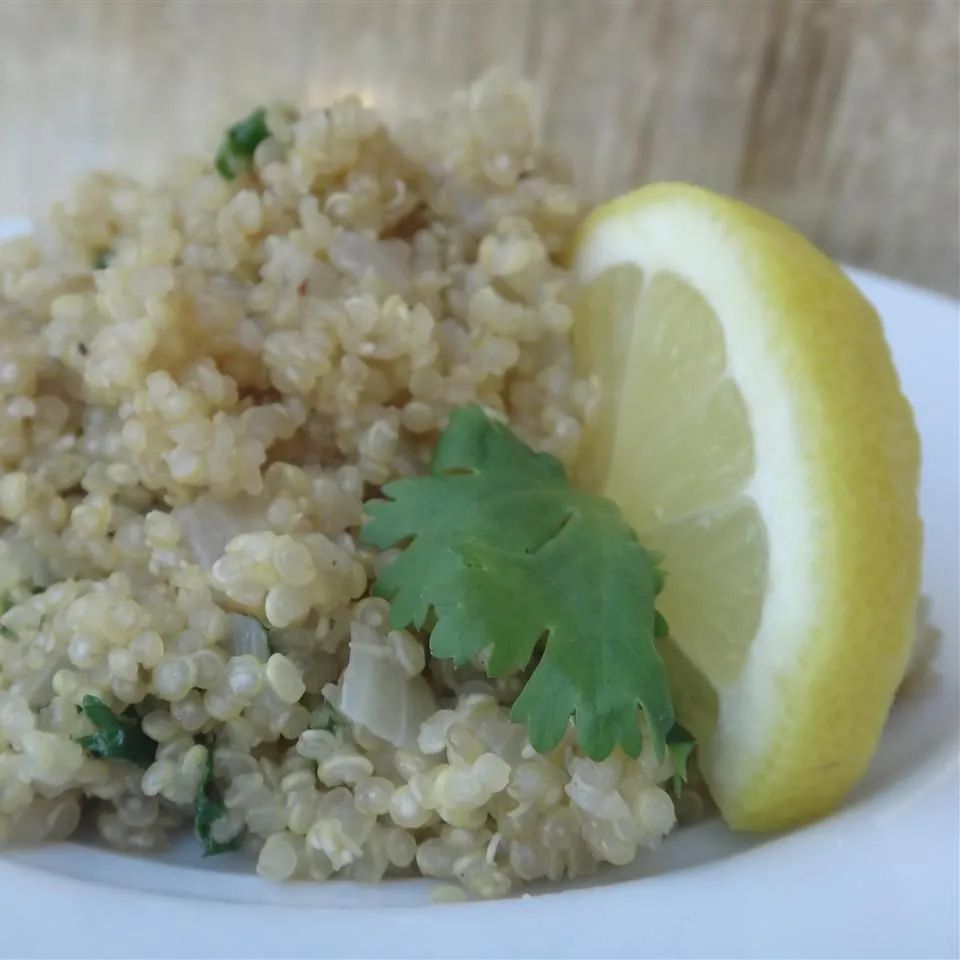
(507, 552)
(101, 260)
(325, 717)
(117, 738)
(207, 809)
(680, 743)
(5, 604)
(235, 155)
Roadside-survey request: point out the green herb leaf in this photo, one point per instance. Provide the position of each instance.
(207, 809)
(101, 260)
(680, 743)
(117, 738)
(6, 604)
(508, 553)
(235, 155)
(325, 717)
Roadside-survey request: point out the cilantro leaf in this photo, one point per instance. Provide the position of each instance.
(680, 743)
(235, 155)
(507, 553)
(326, 717)
(207, 809)
(117, 738)
(6, 604)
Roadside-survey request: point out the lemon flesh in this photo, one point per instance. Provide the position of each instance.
(752, 429)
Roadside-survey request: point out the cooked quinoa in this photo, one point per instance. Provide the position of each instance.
(201, 383)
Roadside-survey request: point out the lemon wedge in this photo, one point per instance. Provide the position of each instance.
(752, 429)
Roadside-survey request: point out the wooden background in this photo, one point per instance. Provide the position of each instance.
(841, 116)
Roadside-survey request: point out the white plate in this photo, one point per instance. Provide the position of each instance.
(879, 878)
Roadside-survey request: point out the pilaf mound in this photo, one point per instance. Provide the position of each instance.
(201, 383)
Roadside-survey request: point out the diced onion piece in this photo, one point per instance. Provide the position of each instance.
(248, 636)
(375, 692)
(209, 525)
(356, 253)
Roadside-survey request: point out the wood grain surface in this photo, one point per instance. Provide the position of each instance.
(841, 116)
